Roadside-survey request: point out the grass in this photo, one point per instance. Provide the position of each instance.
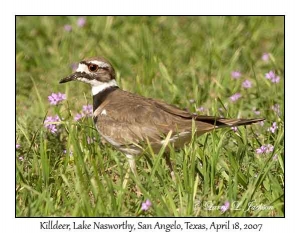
(186, 61)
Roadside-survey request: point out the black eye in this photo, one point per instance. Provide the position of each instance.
(93, 67)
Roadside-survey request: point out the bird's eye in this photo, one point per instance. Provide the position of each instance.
(93, 67)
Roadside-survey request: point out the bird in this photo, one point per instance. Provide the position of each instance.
(129, 121)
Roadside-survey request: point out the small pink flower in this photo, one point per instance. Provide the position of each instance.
(272, 76)
(235, 97)
(276, 108)
(225, 207)
(261, 150)
(201, 109)
(273, 128)
(256, 112)
(74, 66)
(87, 110)
(234, 128)
(276, 80)
(146, 205)
(56, 98)
(70, 152)
(236, 74)
(247, 84)
(265, 149)
(270, 148)
(68, 28)
(50, 123)
(78, 116)
(265, 57)
(81, 22)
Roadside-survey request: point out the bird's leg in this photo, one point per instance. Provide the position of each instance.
(169, 163)
(132, 165)
(131, 161)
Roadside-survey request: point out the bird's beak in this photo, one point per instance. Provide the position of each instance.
(71, 77)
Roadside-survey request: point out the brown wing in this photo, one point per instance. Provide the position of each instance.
(129, 122)
(131, 118)
(212, 120)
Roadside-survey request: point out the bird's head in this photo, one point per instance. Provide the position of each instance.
(97, 72)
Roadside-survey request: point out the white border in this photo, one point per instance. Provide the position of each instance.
(7, 58)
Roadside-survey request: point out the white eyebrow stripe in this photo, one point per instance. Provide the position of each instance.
(100, 63)
(82, 68)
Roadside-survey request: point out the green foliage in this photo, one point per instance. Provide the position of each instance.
(185, 61)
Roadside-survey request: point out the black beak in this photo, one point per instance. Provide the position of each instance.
(71, 77)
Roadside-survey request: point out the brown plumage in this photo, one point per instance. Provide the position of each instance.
(132, 119)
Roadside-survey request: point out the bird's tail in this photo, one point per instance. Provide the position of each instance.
(226, 122)
(236, 122)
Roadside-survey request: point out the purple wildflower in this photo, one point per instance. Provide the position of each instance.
(70, 152)
(265, 57)
(236, 74)
(275, 157)
(247, 84)
(81, 22)
(264, 149)
(234, 128)
(87, 110)
(256, 112)
(276, 80)
(50, 123)
(270, 148)
(225, 207)
(272, 76)
(200, 109)
(74, 66)
(235, 97)
(21, 158)
(56, 98)
(68, 28)
(261, 123)
(261, 150)
(18, 146)
(273, 127)
(78, 116)
(276, 108)
(146, 205)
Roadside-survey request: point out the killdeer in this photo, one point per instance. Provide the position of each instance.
(128, 121)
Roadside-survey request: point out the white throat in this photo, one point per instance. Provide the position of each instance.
(98, 86)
